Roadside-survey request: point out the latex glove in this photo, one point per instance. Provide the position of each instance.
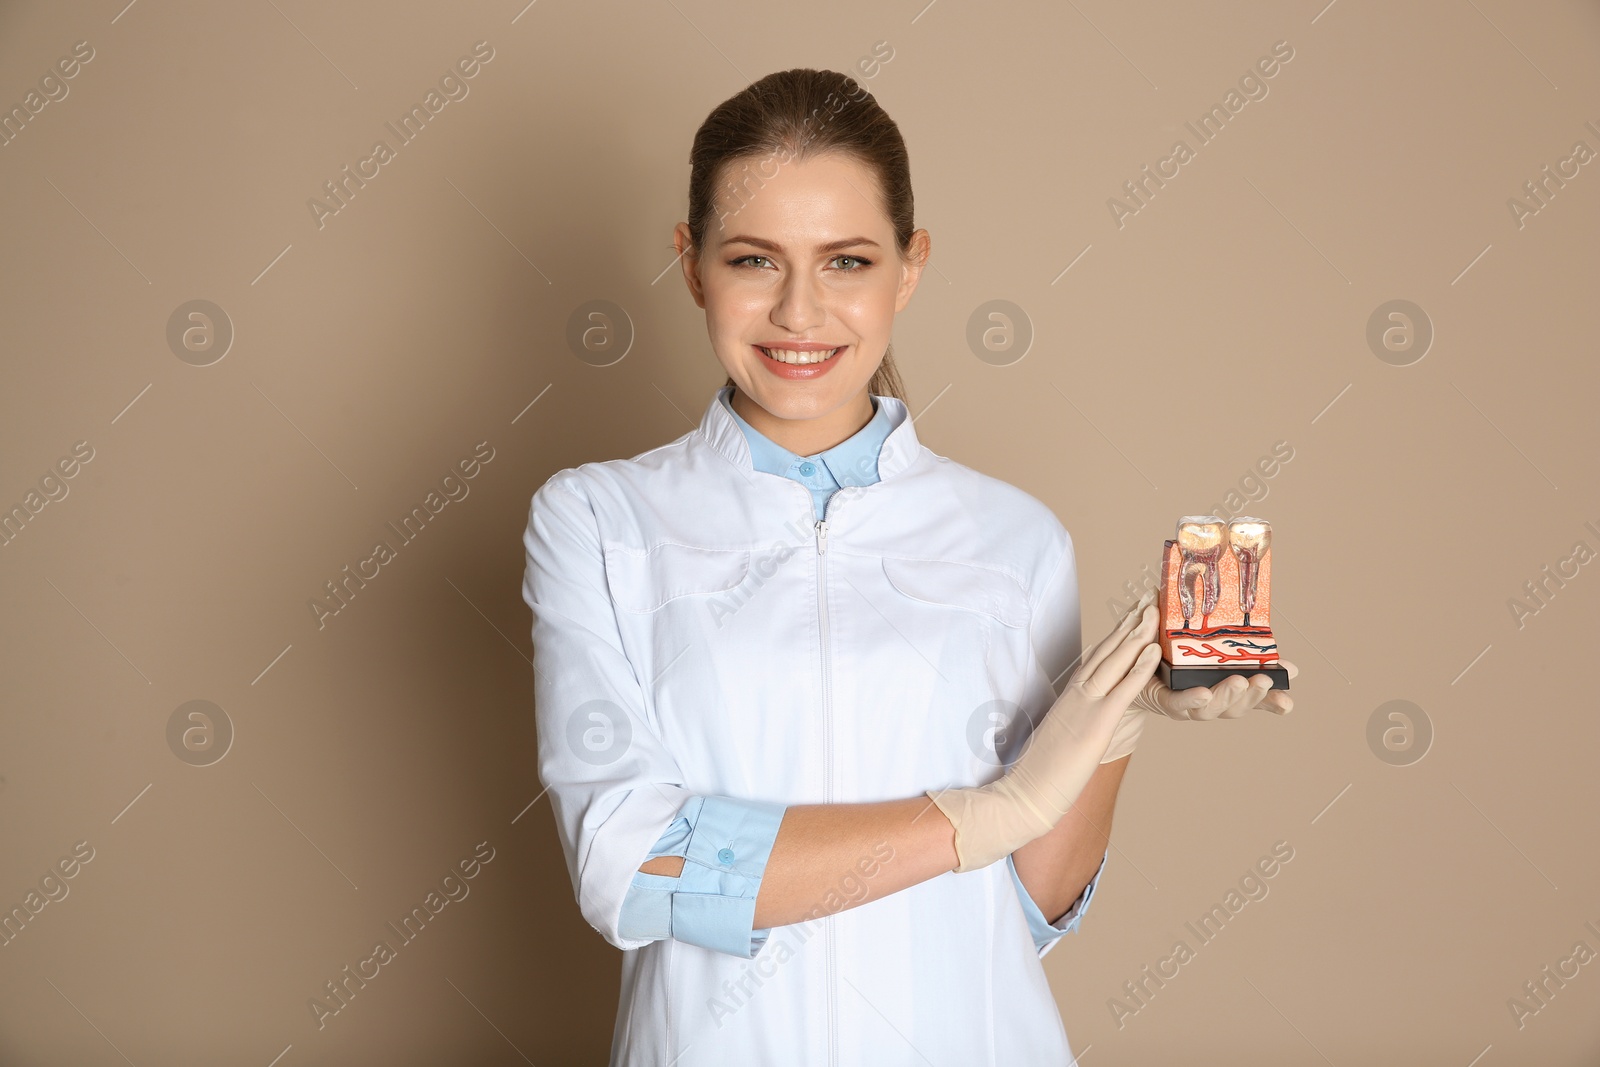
(1062, 753)
(1228, 699)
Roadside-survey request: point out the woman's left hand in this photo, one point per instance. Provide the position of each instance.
(1228, 699)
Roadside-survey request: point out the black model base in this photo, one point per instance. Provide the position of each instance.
(1189, 677)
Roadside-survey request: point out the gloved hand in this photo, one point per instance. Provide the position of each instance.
(1228, 699)
(1062, 753)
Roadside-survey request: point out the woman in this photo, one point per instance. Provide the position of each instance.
(778, 657)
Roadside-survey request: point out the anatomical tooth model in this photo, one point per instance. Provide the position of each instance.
(1200, 543)
(1226, 628)
(1249, 538)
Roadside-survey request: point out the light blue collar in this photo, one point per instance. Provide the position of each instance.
(853, 461)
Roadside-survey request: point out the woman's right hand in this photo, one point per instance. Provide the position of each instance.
(1062, 754)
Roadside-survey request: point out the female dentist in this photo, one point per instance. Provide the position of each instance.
(802, 692)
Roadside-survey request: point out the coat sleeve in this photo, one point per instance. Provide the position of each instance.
(613, 785)
(1056, 629)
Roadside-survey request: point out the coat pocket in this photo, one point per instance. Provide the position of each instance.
(948, 583)
(643, 581)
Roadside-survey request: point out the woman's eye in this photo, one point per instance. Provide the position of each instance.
(744, 260)
(864, 263)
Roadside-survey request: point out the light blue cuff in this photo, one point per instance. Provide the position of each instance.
(647, 906)
(725, 843)
(715, 903)
(1045, 933)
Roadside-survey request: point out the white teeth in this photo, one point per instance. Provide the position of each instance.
(784, 355)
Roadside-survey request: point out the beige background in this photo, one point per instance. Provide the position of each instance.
(371, 354)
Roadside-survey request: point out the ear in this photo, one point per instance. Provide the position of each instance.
(911, 268)
(689, 261)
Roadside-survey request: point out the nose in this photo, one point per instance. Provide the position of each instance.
(799, 306)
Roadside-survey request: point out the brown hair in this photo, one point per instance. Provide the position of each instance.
(795, 114)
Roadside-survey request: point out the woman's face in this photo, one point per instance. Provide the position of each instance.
(806, 257)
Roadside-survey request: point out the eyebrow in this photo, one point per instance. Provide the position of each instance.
(831, 246)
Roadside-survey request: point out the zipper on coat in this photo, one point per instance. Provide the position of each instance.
(827, 766)
(827, 679)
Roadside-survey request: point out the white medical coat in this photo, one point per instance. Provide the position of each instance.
(698, 632)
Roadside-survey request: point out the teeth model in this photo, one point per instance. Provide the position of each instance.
(1200, 541)
(1249, 538)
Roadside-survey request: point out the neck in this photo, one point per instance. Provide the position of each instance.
(806, 437)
